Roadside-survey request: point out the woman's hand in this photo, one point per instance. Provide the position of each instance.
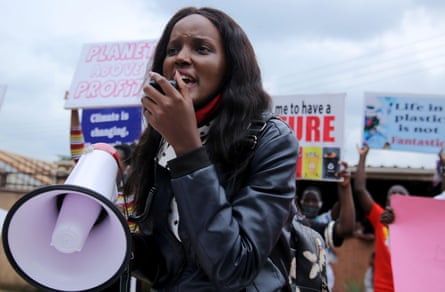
(171, 113)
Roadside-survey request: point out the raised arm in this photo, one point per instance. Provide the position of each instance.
(76, 135)
(363, 196)
(344, 226)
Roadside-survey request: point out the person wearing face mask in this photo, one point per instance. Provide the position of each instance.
(311, 202)
(213, 201)
(334, 225)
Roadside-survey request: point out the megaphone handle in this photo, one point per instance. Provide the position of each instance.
(153, 191)
(144, 216)
(125, 280)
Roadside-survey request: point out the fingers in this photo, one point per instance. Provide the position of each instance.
(344, 173)
(145, 108)
(361, 147)
(387, 216)
(163, 85)
(147, 104)
(343, 167)
(152, 96)
(179, 81)
(163, 103)
(364, 149)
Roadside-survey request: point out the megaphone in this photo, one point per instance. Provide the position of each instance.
(71, 237)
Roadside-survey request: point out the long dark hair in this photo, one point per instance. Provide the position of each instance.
(243, 100)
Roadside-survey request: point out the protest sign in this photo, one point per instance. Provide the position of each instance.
(112, 125)
(417, 243)
(318, 123)
(405, 122)
(110, 74)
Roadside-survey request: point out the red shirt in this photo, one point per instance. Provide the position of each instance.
(383, 279)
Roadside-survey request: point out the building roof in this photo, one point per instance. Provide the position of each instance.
(20, 173)
(398, 173)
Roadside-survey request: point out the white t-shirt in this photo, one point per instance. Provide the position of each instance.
(440, 196)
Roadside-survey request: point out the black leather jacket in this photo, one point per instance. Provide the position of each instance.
(225, 244)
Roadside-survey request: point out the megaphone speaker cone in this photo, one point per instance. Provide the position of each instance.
(70, 246)
(27, 234)
(71, 230)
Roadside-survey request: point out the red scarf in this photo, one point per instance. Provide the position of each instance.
(206, 113)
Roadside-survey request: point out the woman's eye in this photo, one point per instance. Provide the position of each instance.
(203, 49)
(172, 51)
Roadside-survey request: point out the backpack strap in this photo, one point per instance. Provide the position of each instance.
(256, 128)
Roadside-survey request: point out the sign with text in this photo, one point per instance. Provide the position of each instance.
(417, 234)
(405, 122)
(318, 123)
(110, 74)
(112, 125)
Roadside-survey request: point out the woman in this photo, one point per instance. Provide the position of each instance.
(213, 209)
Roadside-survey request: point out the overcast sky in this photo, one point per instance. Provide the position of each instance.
(303, 47)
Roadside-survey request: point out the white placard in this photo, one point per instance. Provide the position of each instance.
(318, 123)
(110, 74)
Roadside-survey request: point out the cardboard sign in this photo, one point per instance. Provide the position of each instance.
(112, 125)
(110, 74)
(404, 122)
(417, 243)
(318, 123)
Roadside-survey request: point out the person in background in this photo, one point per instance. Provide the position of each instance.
(441, 174)
(379, 218)
(125, 203)
(219, 201)
(124, 152)
(336, 224)
(77, 142)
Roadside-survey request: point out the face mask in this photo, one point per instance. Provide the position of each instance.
(310, 211)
